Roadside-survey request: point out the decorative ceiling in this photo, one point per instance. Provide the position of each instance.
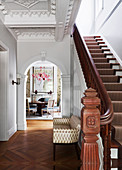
(48, 20)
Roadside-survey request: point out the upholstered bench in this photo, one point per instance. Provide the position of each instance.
(66, 131)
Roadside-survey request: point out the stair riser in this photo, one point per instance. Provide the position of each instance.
(96, 51)
(117, 119)
(115, 87)
(109, 79)
(98, 55)
(118, 134)
(91, 43)
(103, 65)
(115, 96)
(117, 107)
(97, 60)
(106, 72)
(90, 40)
(93, 47)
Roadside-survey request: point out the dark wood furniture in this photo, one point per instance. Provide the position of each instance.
(40, 105)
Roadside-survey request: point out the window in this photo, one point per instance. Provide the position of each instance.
(43, 79)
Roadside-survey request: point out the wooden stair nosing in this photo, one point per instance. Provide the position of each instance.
(118, 69)
(88, 40)
(100, 42)
(98, 39)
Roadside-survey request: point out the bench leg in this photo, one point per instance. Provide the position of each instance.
(77, 152)
(54, 148)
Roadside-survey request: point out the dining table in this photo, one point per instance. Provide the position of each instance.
(39, 104)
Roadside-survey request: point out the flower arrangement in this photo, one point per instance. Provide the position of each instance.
(41, 76)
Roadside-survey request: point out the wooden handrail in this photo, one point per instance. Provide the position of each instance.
(96, 82)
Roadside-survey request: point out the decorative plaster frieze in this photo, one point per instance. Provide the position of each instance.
(2, 8)
(53, 7)
(27, 3)
(33, 34)
(23, 13)
(69, 12)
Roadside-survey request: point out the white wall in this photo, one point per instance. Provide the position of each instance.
(8, 91)
(55, 52)
(107, 22)
(85, 18)
(79, 85)
(112, 29)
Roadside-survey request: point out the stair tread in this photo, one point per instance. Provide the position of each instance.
(117, 112)
(114, 91)
(103, 63)
(109, 76)
(106, 49)
(101, 42)
(117, 126)
(101, 53)
(103, 45)
(114, 83)
(116, 101)
(120, 141)
(109, 63)
(99, 58)
(114, 144)
(109, 69)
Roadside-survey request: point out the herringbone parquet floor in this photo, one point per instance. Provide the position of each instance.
(33, 150)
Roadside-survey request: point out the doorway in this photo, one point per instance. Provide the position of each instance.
(43, 86)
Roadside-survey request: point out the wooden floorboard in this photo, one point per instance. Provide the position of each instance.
(33, 149)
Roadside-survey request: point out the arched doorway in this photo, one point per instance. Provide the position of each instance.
(65, 78)
(43, 84)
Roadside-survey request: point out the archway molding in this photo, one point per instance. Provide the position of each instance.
(22, 72)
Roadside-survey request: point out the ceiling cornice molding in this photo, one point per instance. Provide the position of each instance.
(75, 9)
(27, 3)
(29, 13)
(2, 17)
(69, 12)
(48, 36)
(53, 7)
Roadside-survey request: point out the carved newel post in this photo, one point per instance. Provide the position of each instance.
(90, 124)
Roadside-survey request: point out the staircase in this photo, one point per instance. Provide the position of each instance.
(111, 74)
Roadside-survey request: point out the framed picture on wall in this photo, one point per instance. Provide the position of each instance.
(43, 79)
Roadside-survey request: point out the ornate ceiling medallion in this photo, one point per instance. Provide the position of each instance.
(26, 3)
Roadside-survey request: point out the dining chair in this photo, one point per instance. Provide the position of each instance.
(49, 108)
(30, 109)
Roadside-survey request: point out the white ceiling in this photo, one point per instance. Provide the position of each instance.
(48, 20)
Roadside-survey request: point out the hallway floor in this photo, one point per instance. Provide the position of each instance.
(33, 149)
